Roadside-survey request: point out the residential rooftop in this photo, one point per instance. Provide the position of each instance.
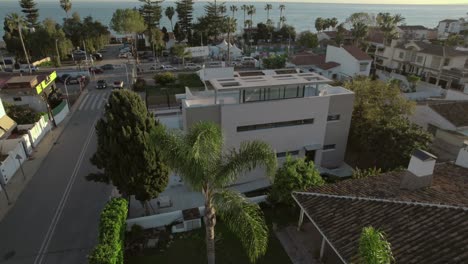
(433, 49)
(455, 112)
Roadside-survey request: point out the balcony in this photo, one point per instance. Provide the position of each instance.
(455, 72)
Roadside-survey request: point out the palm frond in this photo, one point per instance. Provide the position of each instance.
(248, 157)
(245, 220)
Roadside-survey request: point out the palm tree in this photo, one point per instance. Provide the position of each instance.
(319, 24)
(66, 5)
(281, 8)
(359, 32)
(251, 11)
(333, 22)
(169, 12)
(282, 20)
(388, 25)
(244, 8)
(199, 158)
(268, 7)
(17, 22)
(340, 31)
(374, 248)
(233, 9)
(230, 26)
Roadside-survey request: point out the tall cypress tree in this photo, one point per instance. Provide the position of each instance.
(30, 11)
(184, 9)
(151, 11)
(129, 159)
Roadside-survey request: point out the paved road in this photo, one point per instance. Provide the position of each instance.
(55, 219)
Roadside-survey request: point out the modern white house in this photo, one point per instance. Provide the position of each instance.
(353, 61)
(296, 113)
(436, 64)
(451, 26)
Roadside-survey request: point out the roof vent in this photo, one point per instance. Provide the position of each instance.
(420, 168)
(462, 158)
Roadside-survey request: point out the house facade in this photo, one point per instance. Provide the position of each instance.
(296, 113)
(451, 26)
(415, 32)
(309, 62)
(353, 61)
(436, 64)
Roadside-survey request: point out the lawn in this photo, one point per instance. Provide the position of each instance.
(190, 248)
(190, 80)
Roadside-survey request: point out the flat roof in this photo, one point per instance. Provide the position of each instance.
(22, 79)
(268, 80)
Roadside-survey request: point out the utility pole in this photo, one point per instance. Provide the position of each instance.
(58, 53)
(20, 29)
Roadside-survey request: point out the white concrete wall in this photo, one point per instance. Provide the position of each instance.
(455, 95)
(462, 158)
(454, 139)
(424, 115)
(10, 165)
(216, 73)
(61, 116)
(2, 109)
(36, 131)
(421, 168)
(24, 140)
(34, 102)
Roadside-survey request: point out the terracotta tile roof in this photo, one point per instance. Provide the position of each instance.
(433, 49)
(357, 53)
(415, 27)
(418, 233)
(449, 186)
(455, 112)
(328, 65)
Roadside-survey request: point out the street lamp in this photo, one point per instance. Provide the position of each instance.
(66, 89)
(19, 158)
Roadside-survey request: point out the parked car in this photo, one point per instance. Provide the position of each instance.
(62, 78)
(74, 80)
(167, 68)
(97, 56)
(107, 67)
(192, 66)
(101, 84)
(118, 85)
(25, 68)
(95, 70)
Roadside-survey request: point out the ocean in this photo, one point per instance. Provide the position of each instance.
(300, 15)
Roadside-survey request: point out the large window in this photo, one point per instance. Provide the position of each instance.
(329, 147)
(284, 154)
(401, 55)
(363, 66)
(333, 118)
(275, 93)
(275, 125)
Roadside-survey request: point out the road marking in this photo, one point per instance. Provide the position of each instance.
(84, 101)
(103, 100)
(66, 194)
(96, 99)
(89, 102)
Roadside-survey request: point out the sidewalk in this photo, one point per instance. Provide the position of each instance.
(31, 166)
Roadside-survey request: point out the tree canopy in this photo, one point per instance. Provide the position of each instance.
(274, 62)
(127, 21)
(30, 11)
(294, 175)
(125, 152)
(307, 39)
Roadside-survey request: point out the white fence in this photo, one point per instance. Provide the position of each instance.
(23, 139)
(160, 220)
(11, 164)
(36, 131)
(60, 112)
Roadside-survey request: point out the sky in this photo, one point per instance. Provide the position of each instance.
(397, 2)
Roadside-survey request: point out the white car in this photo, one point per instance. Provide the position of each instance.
(24, 68)
(125, 55)
(168, 68)
(192, 66)
(117, 85)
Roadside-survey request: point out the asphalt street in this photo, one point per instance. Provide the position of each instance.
(56, 217)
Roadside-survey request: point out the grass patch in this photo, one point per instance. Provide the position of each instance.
(190, 247)
(190, 80)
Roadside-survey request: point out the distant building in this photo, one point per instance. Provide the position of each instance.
(309, 62)
(416, 32)
(296, 113)
(329, 37)
(451, 26)
(353, 61)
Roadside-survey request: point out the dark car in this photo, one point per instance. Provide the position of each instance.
(107, 67)
(95, 70)
(62, 78)
(97, 56)
(101, 84)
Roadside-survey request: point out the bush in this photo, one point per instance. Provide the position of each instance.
(22, 114)
(294, 175)
(274, 62)
(139, 85)
(110, 248)
(365, 173)
(164, 78)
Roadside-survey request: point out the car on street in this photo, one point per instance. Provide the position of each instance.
(107, 67)
(101, 84)
(192, 66)
(167, 68)
(95, 70)
(62, 78)
(117, 85)
(25, 68)
(97, 56)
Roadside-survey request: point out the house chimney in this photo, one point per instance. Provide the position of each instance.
(462, 158)
(420, 169)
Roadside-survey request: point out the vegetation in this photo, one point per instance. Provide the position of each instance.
(274, 62)
(21, 114)
(179, 51)
(139, 85)
(30, 11)
(125, 152)
(413, 80)
(169, 12)
(110, 247)
(365, 173)
(127, 21)
(198, 157)
(374, 248)
(66, 5)
(381, 135)
(388, 25)
(307, 39)
(184, 9)
(294, 175)
(359, 32)
(88, 31)
(151, 12)
(164, 78)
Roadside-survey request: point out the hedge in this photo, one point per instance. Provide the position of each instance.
(110, 248)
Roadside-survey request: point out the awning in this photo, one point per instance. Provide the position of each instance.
(6, 125)
(313, 147)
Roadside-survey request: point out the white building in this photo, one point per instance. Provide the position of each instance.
(353, 61)
(296, 113)
(451, 26)
(308, 62)
(436, 64)
(415, 32)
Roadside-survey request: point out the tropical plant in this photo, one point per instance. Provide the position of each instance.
(164, 78)
(388, 25)
(268, 7)
(340, 32)
(319, 24)
(125, 128)
(180, 52)
(294, 175)
(170, 11)
(92, 32)
(374, 247)
(230, 25)
(413, 80)
(15, 22)
(199, 158)
(274, 62)
(245, 8)
(251, 11)
(362, 17)
(281, 8)
(365, 173)
(110, 247)
(30, 11)
(233, 9)
(66, 5)
(333, 22)
(359, 32)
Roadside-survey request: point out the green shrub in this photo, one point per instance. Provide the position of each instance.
(22, 114)
(139, 85)
(365, 173)
(111, 233)
(164, 78)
